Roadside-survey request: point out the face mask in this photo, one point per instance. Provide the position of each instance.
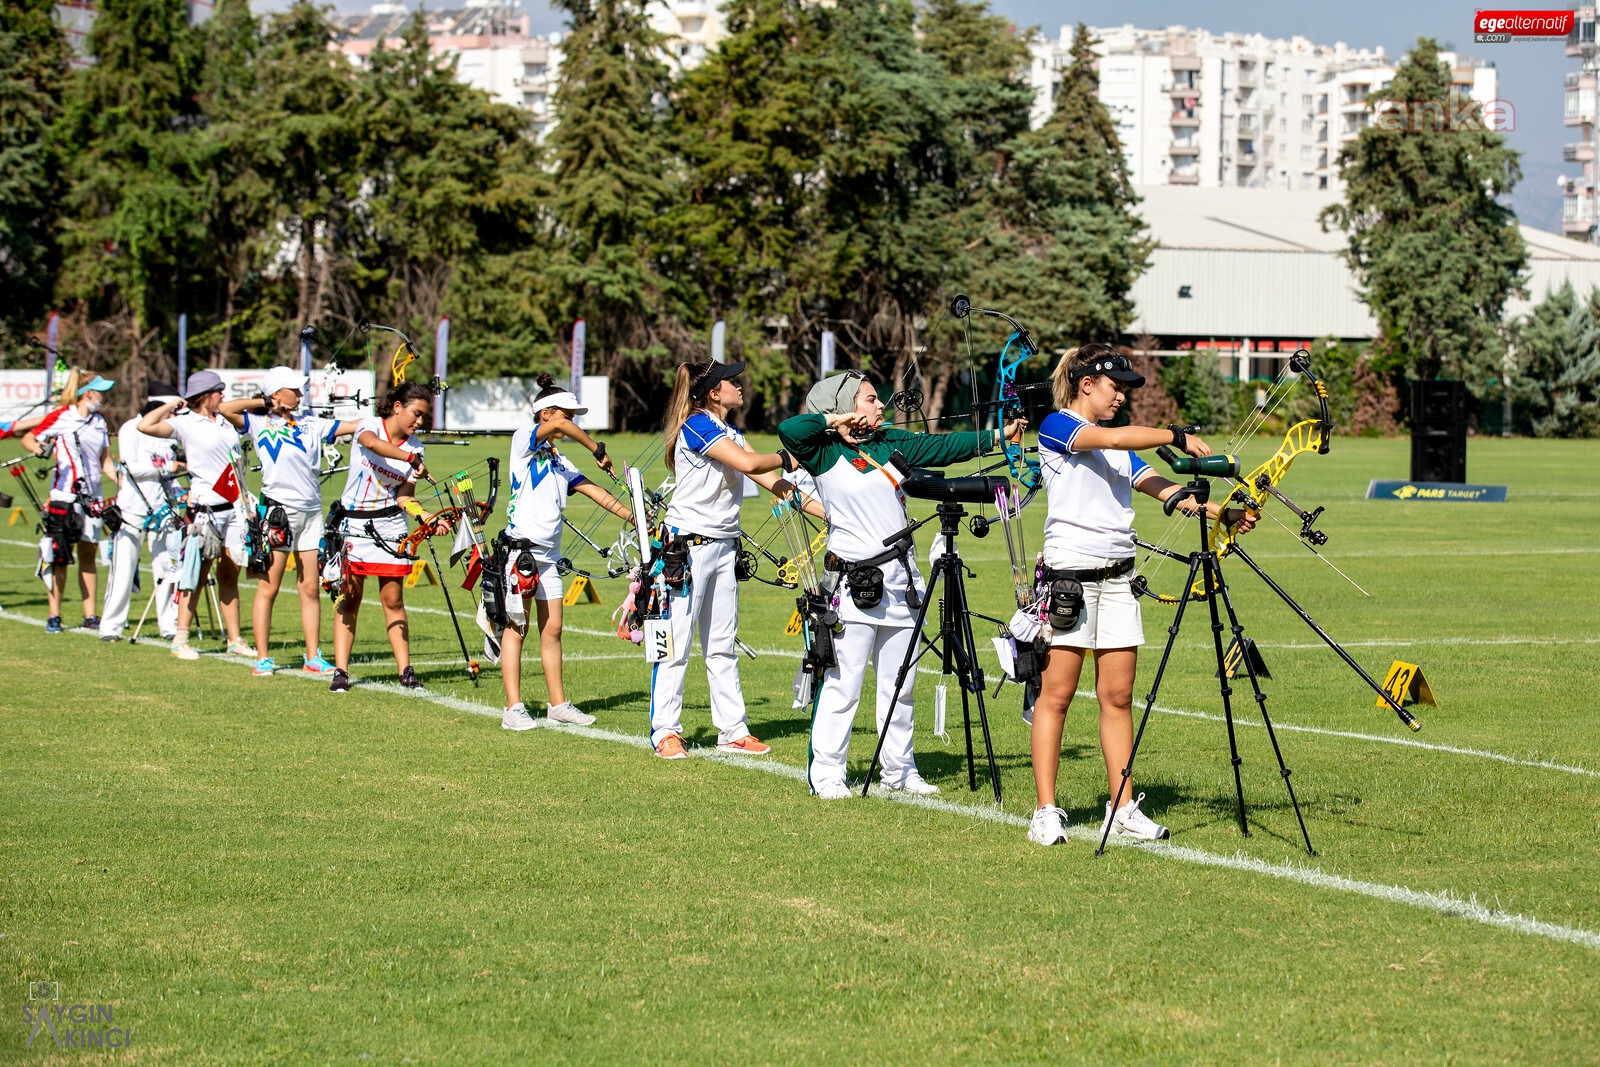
(92, 405)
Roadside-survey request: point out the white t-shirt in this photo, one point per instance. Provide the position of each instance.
(374, 481)
(291, 457)
(1090, 493)
(541, 481)
(209, 448)
(707, 494)
(80, 443)
(145, 459)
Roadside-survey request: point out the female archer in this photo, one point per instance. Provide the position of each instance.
(1090, 472)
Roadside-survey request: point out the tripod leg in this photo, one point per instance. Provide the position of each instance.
(1150, 700)
(906, 666)
(1261, 701)
(973, 676)
(1213, 579)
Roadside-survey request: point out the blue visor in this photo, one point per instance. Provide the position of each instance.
(99, 385)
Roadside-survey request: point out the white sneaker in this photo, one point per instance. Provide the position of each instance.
(239, 648)
(834, 791)
(914, 784)
(516, 717)
(181, 650)
(1049, 826)
(565, 712)
(1131, 822)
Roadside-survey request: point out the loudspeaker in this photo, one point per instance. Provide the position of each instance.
(1438, 431)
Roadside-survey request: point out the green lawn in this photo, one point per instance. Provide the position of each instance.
(254, 870)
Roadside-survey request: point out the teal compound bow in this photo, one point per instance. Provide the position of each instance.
(1007, 405)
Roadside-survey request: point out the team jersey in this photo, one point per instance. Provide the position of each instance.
(291, 457)
(706, 499)
(79, 443)
(145, 460)
(1090, 493)
(374, 481)
(541, 481)
(210, 446)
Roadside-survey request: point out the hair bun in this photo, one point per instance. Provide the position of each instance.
(545, 381)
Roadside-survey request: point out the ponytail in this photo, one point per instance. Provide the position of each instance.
(1073, 360)
(680, 406)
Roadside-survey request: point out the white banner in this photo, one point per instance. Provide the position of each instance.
(578, 332)
(21, 393)
(825, 355)
(503, 403)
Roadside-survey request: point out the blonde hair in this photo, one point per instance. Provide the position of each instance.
(1065, 387)
(681, 405)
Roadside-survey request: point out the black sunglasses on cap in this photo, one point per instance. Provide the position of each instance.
(1117, 368)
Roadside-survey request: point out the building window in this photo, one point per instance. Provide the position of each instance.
(533, 70)
(1185, 292)
(1306, 101)
(1322, 182)
(1307, 152)
(1305, 125)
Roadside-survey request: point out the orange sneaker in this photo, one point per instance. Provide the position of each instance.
(747, 745)
(671, 747)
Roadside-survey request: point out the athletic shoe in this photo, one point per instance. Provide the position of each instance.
(52, 625)
(317, 665)
(516, 717)
(914, 784)
(340, 683)
(565, 712)
(169, 637)
(110, 637)
(1049, 826)
(409, 679)
(834, 791)
(265, 666)
(1131, 822)
(746, 746)
(671, 747)
(1027, 712)
(92, 622)
(181, 650)
(239, 648)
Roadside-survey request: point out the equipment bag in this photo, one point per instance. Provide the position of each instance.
(111, 516)
(494, 586)
(1065, 604)
(865, 581)
(278, 531)
(64, 526)
(258, 557)
(675, 564)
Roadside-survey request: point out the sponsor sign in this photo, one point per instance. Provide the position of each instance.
(1457, 492)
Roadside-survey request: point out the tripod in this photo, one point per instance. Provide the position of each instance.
(1205, 566)
(958, 651)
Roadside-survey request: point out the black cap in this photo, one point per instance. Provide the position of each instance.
(720, 372)
(1117, 368)
(159, 392)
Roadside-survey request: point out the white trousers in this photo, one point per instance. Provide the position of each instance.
(125, 551)
(884, 647)
(712, 610)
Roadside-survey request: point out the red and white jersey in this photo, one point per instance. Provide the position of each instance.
(374, 481)
(80, 443)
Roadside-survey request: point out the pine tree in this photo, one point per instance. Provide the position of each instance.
(1556, 385)
(1436, 252)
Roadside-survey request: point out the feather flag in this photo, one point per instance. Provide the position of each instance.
(474, 569)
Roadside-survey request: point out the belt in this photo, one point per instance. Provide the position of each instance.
(521, 544)
(900, 550)
(377, 513)
(215, 509)
(1100, 574)
(696, 540)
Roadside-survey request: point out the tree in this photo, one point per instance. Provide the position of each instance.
(1436, 253)
(33, 72)
(1556, 384)
(1195, 383)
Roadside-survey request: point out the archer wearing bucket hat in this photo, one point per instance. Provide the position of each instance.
(147, 466)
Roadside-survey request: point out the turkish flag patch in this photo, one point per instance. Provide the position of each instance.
(227, 486)
(859, 464)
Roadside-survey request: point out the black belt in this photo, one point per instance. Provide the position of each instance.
(214, 509)
(900, 550)
(1100, 574)
(380, 513)
(695, 540)
(520, 544)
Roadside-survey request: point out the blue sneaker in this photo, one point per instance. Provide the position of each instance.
(265, 666)
(317, 665)
(52, 625)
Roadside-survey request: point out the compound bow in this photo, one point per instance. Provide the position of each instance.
(1019, 348)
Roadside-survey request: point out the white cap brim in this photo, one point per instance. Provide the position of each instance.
(564, 401)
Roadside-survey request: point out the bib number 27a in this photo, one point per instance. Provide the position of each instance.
(657, 640)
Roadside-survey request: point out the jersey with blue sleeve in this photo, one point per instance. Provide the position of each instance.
(708, 493)
(290, 451)
(1090, 492)
(541, 481)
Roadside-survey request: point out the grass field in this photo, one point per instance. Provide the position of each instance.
(254, 870)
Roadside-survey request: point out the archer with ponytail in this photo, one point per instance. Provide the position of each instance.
(710, 460)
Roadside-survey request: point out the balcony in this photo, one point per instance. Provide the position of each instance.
(1580, 152)
(1247, 76)
(1185, 117)
(1179, 148)
(1247, 159)
(1183, 177)
(1179, 89)
(1184, 62)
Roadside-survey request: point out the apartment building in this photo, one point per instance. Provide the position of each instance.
(1231, 109)
(1578, 207)
(692, 28)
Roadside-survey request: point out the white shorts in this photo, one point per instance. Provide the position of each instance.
(366, 556)
(1110, 616)
(305, 530)
(231, 527)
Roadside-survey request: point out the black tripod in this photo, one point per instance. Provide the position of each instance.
(958, 651)
(1205, 566)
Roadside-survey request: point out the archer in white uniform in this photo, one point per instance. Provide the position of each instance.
(1090, 473)
(81, 445)
(541, 481)
(211, 452)
(146, 469)
(709, 460)
(289, 446)
(840, 441)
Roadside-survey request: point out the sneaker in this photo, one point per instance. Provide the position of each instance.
(516, 717)
(182, 650)
(409, 679)
(340, 683)
(746, 746)
(565, 712)
(833, 791)
(914, 784)
(1131, 822)
(671, 747)
(52, 625)
(92, 622)
(317, 665)
(265, 666)
(110, 637)
(1049, 826)
(239, 648)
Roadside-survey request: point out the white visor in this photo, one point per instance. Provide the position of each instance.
(563, 400)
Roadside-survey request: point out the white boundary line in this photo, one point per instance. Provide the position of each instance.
(1444, 902)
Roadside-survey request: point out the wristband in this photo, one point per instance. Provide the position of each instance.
(1180, 436)
(599, 451)
(784, 460)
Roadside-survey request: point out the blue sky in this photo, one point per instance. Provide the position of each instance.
(1530, 73)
